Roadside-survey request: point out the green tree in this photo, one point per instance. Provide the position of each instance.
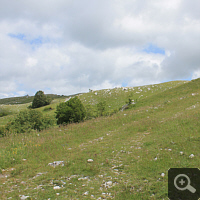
(40, 99)
(70, 111)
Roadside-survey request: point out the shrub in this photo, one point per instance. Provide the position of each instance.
(130, 103)
(28, 120)
(48, 108)
(90, 112)
(101, 107)
(40, 99)
(2, 131)
(3, 112)
(70, 111)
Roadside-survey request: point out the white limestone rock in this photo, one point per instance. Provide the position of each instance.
(56, 163)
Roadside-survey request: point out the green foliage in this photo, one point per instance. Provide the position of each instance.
(130, 103)
(90, 112)
(2, 131)
(40, 99)
(70, 111)
(3, 112)
(48, 108)
(28, 120)
(101, 107)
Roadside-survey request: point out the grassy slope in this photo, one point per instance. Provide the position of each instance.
(123, 146)
(25, 99)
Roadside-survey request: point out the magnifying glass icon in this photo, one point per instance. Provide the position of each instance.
(182, 182)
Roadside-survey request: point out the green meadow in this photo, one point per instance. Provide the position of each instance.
(131, 150)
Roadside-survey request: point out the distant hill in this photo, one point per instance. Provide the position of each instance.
(26, 99)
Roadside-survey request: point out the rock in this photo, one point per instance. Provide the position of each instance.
(56, 187)
(39, 174)
(90, 160)
(109, 183)
(23, 197)
(56, 163)
(86, 193)
(124, 107)
(163, 174)
(191, 156)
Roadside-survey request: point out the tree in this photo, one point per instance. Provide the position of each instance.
(40, 99)
(70, 111)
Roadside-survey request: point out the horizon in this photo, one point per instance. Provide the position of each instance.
(31, 95)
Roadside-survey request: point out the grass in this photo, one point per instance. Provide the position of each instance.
(130, 148)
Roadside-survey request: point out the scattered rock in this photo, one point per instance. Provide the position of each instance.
(86, 193)
(191, 156)
(39, 174)
(56, 187)
(109, 183)
(56, 163)
(124, 107)
(163, 174)
(23, 197)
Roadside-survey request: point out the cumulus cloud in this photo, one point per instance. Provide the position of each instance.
(66, 46)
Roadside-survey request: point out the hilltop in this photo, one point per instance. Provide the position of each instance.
(131, 151)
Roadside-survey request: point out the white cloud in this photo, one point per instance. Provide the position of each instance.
(70, 46)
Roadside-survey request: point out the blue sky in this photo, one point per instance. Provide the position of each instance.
(32, 41)
(151, 48)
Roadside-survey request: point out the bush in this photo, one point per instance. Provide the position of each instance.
(101, 107)
(130, 103)
(90, 112)
(28, 120)
(70, 111)
(2, 131)
(3, 112)
(40, 99)
(47, 108)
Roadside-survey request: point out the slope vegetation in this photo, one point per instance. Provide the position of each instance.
(131, 151)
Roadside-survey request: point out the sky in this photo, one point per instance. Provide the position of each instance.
(71, 46)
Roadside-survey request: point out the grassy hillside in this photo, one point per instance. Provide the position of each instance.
(130, 149)
(25, 99)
